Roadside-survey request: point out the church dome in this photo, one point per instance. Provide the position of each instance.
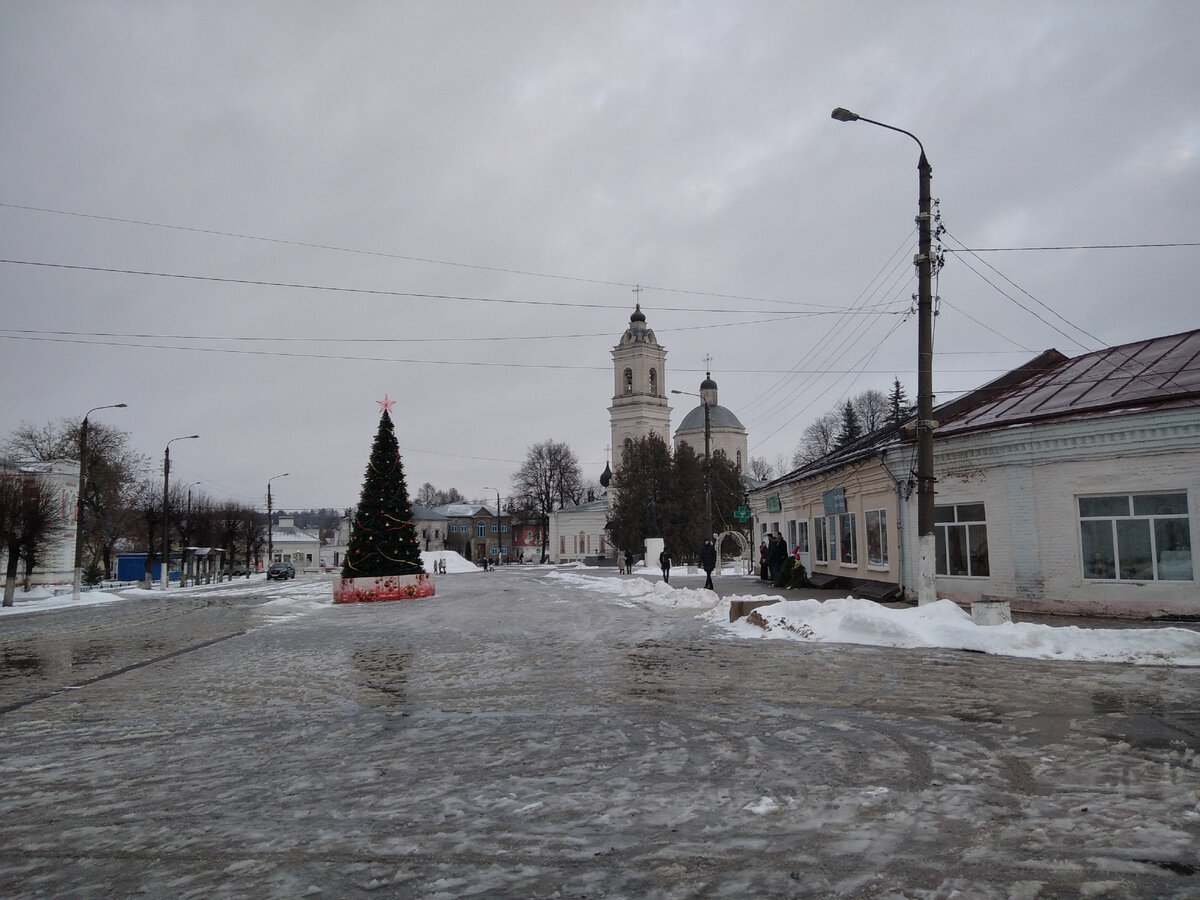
(638, 315)
(718, 417)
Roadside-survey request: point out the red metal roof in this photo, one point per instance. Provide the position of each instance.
(1163, 371)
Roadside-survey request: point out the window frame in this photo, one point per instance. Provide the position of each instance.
(946, 543)
(879, 527)
(1129, 529)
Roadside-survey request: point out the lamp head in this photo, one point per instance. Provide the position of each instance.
(844, 115)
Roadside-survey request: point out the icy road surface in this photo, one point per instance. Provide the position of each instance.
(528, 735)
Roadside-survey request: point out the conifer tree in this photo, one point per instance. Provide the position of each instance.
(901, 410)
(383, 539)
(851, 429)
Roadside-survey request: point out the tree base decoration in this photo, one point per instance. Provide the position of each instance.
(385, 587)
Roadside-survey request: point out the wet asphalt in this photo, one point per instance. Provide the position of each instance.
(517, 738)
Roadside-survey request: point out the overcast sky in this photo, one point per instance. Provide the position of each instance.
(313, 205)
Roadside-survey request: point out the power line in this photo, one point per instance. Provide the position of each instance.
(81, 340)
(1075, 247)
(409, 258)
(379, 292)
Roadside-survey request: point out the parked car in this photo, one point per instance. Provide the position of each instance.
(281, 571)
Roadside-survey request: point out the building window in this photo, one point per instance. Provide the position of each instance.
(629, 381)
(961, 540)
(877, 541)
(739, 460)
(504, 527)
(847, 539)
(802, 535)
(481, 530)
(822, 540)
(495, 527)
(1136, 537)
(654, 382)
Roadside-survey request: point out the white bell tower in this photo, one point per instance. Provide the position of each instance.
(639, 406)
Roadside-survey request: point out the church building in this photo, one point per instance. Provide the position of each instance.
(639, 409)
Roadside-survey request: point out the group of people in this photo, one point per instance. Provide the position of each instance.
(625, 562)
(708, 562)
(771, 555)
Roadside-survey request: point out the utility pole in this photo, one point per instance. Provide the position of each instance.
(926, 541)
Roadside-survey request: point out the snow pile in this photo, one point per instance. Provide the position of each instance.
(41, 598)
(942, 624)
(455, 562)
(656, 593)
(945, 624)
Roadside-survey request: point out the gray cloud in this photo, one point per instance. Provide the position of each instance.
(451, 148)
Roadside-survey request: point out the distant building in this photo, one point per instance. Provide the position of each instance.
(61, 477)
(291, 544)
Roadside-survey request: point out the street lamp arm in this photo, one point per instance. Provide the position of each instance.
(844, 115)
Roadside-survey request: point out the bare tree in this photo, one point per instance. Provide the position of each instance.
(549, 479)
(818, 439)
(113, 469)
(29, 517)
(872, 408)
(760, 469)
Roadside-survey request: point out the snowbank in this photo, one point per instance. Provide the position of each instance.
(455, 562)
(942, 624)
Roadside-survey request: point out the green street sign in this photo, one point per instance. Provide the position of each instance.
(742, 514)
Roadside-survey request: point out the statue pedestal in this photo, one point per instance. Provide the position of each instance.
(654, 546)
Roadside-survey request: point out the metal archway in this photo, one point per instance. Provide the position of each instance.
(742, 543)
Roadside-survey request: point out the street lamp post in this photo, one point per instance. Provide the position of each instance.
(926, 543)
(166, 539)
(80, 506)
(499, 520)
(270, 524)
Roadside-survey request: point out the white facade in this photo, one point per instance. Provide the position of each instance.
(578, 532)
(639, 404)
(1030, 479)
(291, 544)
(57, 567)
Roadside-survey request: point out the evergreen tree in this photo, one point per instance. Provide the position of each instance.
(383, 539)
(851, 428)
(900, 409)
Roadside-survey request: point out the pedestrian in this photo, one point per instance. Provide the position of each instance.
(708, 559)
(620, 563)
(777, 554)
(629, 562)
(762, 560)
(664, 560)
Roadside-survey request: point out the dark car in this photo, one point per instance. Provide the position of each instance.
(281, 571)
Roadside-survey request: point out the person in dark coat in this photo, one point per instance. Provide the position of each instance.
(762, 561)
(664, 560)
(777, 554)
(708, 560)
(628, 562)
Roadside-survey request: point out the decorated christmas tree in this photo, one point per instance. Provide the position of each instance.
(383, 539)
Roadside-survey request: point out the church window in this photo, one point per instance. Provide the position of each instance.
(739, 460)
(629, 381)
(653, 382)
